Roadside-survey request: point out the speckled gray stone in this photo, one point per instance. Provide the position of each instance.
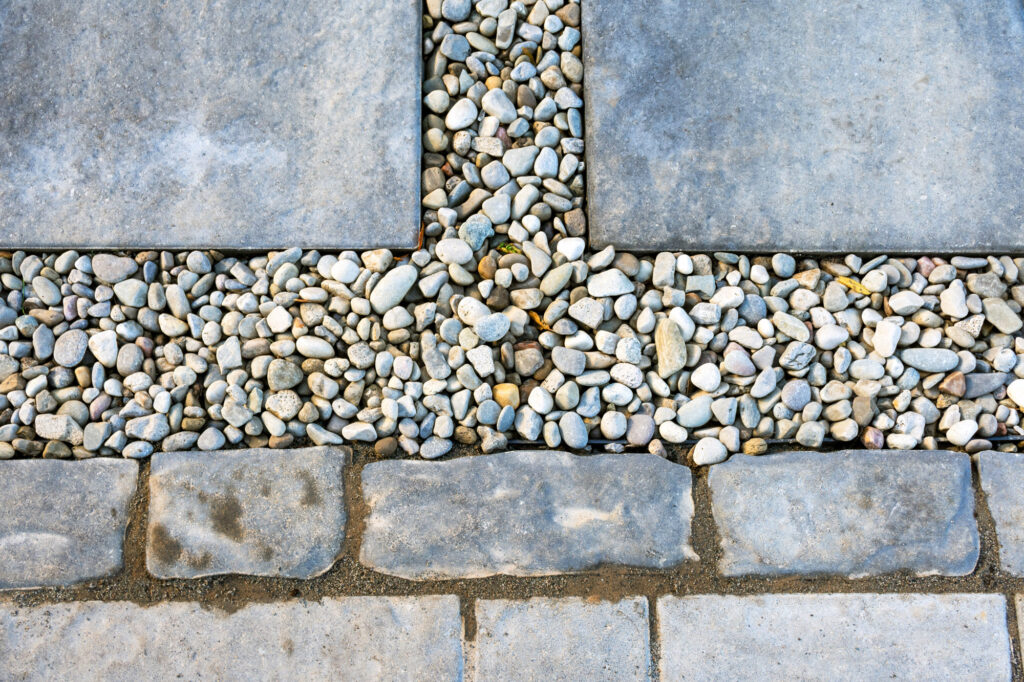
(256, 512)
(525, 513)
(853, 512)
(1002, 479)
(196, 124)
(63, 522)
(562, 639)
(834, 637)
(803, 126)
(352, 638)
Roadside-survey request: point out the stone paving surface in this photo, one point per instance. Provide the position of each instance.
(854, 512)
(256, 512)
(525, 513)
(893, 126)
(834, 636)
(356, 638)
(149, 125)
(562, 639)
(1002, 479)
(63, 522)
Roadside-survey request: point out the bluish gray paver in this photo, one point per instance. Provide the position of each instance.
(1002, 479)
(562, 639)
(63, 522)
(834, 637)
(197, 124)
(853, 512)
(805, 126)
(256, 512)
(525, 513)
(351, 638)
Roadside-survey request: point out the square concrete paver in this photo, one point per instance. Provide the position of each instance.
(188, 124)
(805, 126)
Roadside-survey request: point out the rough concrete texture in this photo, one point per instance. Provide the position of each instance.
(191, 124)
(853, 512)
(1002, 475)
(806, 126)
(525, 513)
(834, 637)
(353, 638)
(63, 522)
(256, 512)
(562, 639)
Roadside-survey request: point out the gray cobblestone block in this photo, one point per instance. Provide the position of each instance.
(854, 512)
(256, 512)
(525, 513)
(352, 638)
(834, 636)
(63, 522)
(562, 639)
(1002, 479)
(193, 124)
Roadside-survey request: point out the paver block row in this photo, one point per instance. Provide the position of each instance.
(352, 638)
(853, 513)
(525, 513)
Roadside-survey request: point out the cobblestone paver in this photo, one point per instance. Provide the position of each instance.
(525, 513)
(258, 512)
(854, 512)
(63, 522)
(354, 638)
(834, 636)
(562, 639)
(1002, 479)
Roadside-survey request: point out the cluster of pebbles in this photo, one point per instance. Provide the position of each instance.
(502, 325)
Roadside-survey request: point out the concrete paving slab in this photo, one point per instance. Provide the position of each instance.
(805, 126)
(352, 638)
(1002, 475)
(834, 637)
(192, 124)
(63, 521)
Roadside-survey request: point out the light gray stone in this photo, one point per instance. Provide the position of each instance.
(834, 636)
(1001, 476)
(785, 139)
(210, 125)
(853, 512)
(357, 638)
(525, 513)
(562, 639)
(255, 512)
(63, 522)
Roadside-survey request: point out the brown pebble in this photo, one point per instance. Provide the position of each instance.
(755, 446)
(284, 441)
(954, 384)
(386, 447)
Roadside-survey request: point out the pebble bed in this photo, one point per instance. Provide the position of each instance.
(503, 325)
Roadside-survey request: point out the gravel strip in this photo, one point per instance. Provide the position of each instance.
(503, 325)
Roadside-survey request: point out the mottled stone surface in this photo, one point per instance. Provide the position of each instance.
(1002, 479)
(63, 522)
(353, 638)
(525, 513)
(834, 637)
(256, 512)
(853, 512)
(805, 126)
(191, 124)
(562, 639)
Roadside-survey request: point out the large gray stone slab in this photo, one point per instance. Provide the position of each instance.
(63, 522)
(525, 513)
(562, 639)
(834, 637)
(853, 512)
(1002, 479)
(197, 124)
(805, 126)
(256, 512)
(353, 638)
